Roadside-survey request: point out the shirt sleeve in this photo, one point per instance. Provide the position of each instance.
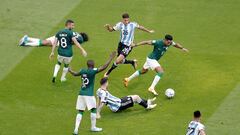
(136, 25)
(117, 26)
(80, 71)
(95, 70)
(154, 42)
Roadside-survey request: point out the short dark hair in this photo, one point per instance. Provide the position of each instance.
(125, 15)
(68, 21)
(103, 80)
(168, 37)
(197, 114)
(90, 63)
(85, 36)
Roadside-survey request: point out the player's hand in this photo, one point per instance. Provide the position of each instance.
(106, 25)
(113, 54)
(84, 53)
(51, 55)
(185, 50)
(151, 31)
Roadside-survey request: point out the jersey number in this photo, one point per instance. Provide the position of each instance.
(85, 82)
(190, 131)
(125, 32)
(63, 42)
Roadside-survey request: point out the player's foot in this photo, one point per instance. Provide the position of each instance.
(150, 101)
(96, 129)
(151, 106)
(105, 75)
(53, 79)
(23, 40)
(153, 91)
(125, 81)
(63, 79)
(134, 64)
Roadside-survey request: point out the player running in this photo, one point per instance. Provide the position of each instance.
(118, 104)
(195, 127)
(159, 48)
(65, 38)
(36, 42)
(126, 29)
(86, 95)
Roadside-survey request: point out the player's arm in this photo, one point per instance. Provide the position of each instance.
(84, 53)
(202, 132)
(148, 42)
(53, 48)
(145, 29)
(179, 46)
(73, 72)
(109, 27)
(103, 67)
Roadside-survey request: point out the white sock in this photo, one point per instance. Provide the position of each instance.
(155, 81)
(64, 73)
(33, 42)
(93, 120)
(56, 69)
(135, 74)
(78, 121)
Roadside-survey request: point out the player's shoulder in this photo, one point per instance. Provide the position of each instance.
(101, 92)
(157, 41)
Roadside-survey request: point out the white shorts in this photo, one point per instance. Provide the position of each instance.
(151, 63)
(51, 39)
(64, 60)
(85, 101)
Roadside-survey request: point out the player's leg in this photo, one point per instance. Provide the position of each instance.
(66, 62)
(119, 60)
(91, 105)
(158, 76)
(145, 103)
(57, 68)
(80, 106)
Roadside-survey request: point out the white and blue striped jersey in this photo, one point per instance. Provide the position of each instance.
(111, 101)
(194, 128)
(127, 32)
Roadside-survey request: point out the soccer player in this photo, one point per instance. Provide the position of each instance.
(118, 104)
(35, 42)
(86, 95)
(65, 38)
(195, 127)
(159, 48)
(126, 29)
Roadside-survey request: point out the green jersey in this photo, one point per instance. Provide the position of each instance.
(88, 77)
(64, 38)
(158, 50)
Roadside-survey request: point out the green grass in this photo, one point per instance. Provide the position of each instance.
(31, 104)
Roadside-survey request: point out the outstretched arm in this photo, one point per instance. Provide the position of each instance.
(53, 48)
(145, 29)
(202, 132)
(109, 27)
(148, 42)
(103, 67)
(179, 46)
(73, 72)
(84, 53)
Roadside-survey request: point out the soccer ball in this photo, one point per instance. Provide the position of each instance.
(170, 93)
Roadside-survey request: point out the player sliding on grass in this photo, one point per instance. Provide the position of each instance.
(195, 127)
(86, 95)
(65, 38)
(118, 104)
(160, 47)
(35, 42)
(126, 38)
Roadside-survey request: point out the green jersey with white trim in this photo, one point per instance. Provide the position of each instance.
(88, 77)
(64, 38)
(159, 49)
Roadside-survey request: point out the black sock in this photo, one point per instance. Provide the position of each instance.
(114, 65)
(128, 62)
(143, 103)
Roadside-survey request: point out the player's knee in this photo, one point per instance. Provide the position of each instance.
(93, 110)
(143, 71)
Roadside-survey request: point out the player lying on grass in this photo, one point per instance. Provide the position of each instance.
(195, 127)
(65, 38)
(86, 95)
(118, 104)
(159, 48)
(127, 29)
(35, 42)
